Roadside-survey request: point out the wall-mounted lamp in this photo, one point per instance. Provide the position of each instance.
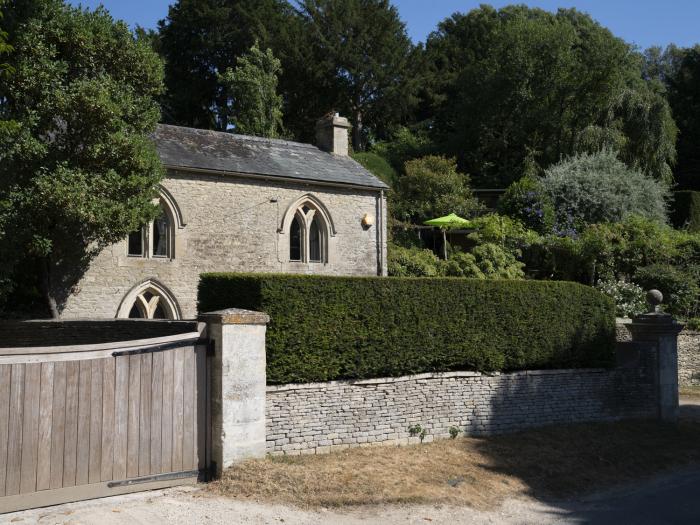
(367, 221)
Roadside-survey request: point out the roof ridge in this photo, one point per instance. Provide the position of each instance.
(239, 137)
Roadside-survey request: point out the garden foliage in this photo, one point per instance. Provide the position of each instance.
(596, 188)
(325, 328)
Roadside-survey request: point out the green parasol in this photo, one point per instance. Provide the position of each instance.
(448, 222)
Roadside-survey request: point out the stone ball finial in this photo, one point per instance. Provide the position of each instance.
(654, 299)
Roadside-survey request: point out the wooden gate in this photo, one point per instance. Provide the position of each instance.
(90, 421)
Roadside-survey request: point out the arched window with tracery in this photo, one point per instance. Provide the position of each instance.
(149, 300)
(308, 234)
(157, 239)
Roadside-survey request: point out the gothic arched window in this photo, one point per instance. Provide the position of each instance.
(308, 234)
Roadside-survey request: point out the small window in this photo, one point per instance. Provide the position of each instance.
(295, 240)
(161, 230)
(136, 243)
(314, 241)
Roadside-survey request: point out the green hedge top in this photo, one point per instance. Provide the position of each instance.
(326, 328)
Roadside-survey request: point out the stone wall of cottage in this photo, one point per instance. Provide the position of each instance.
(321, 417)
(231, 224)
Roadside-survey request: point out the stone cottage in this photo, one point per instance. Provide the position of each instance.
(238, 203)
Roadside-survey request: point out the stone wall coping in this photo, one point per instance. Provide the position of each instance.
(235, 316)
(428, 375)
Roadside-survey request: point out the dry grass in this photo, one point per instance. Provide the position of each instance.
(690, 391)
(478, 472)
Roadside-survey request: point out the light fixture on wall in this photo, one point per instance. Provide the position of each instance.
(367, 221)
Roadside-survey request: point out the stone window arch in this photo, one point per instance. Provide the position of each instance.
(149, 300)
(157, 239)
(308, 227)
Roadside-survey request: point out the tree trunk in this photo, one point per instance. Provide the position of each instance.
(46, 287)
(357, 132)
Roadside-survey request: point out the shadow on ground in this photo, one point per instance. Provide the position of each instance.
(591, 473)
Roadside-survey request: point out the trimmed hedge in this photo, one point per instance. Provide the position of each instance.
(685, 210)
(326, 328)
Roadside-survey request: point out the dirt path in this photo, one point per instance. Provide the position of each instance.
(671, 498)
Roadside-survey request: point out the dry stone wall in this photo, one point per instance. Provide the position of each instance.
(689, 358)
(321, 417)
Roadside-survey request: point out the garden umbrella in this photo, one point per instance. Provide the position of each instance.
(447, 222)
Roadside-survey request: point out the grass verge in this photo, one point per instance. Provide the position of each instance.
(690, 391)
(552, 462)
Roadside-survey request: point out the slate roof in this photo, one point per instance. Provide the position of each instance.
(183, 148)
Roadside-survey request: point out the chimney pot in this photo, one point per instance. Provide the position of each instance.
(332, 134)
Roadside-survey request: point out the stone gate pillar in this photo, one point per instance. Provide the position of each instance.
(661, 330)
(237, 380)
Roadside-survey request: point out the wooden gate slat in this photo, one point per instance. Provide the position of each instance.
(132, 454)
(30, 430)
(14, 440)
(199, 420)
(145, 416)
(82, 466)
(178, 407)
(95, 457)
(70, 456)
(108, 378)
(58, 424)
(5, 377)
(167, 415)
(121, 416)
(188, 411)
(43, 473)
(156, 412)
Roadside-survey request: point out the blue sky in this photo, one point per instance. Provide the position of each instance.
(643, 22)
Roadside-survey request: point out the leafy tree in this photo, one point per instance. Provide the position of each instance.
(201, 39)
(255, 107)
(588, 189)
(5, 48)
(517, 86)
(684, 96)
(77, 169)
(359, 64)
(432, 187)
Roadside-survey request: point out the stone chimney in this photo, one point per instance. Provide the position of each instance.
(332, 134)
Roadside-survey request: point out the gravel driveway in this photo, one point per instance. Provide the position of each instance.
(668, 499)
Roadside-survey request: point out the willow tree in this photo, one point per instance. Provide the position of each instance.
(77, 168)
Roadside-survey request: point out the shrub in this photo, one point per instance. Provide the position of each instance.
(325, 328)
(598, 188)
(679, 286)
(629, 298)
(485, 261)
(685, 210)
(413, 262)
(526, 201)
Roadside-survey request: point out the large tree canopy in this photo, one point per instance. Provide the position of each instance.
(77, 167)
(683, 80)
(509, 87)
(201, 39)
(360, 63)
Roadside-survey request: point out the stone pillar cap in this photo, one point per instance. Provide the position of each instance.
(235, 316)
